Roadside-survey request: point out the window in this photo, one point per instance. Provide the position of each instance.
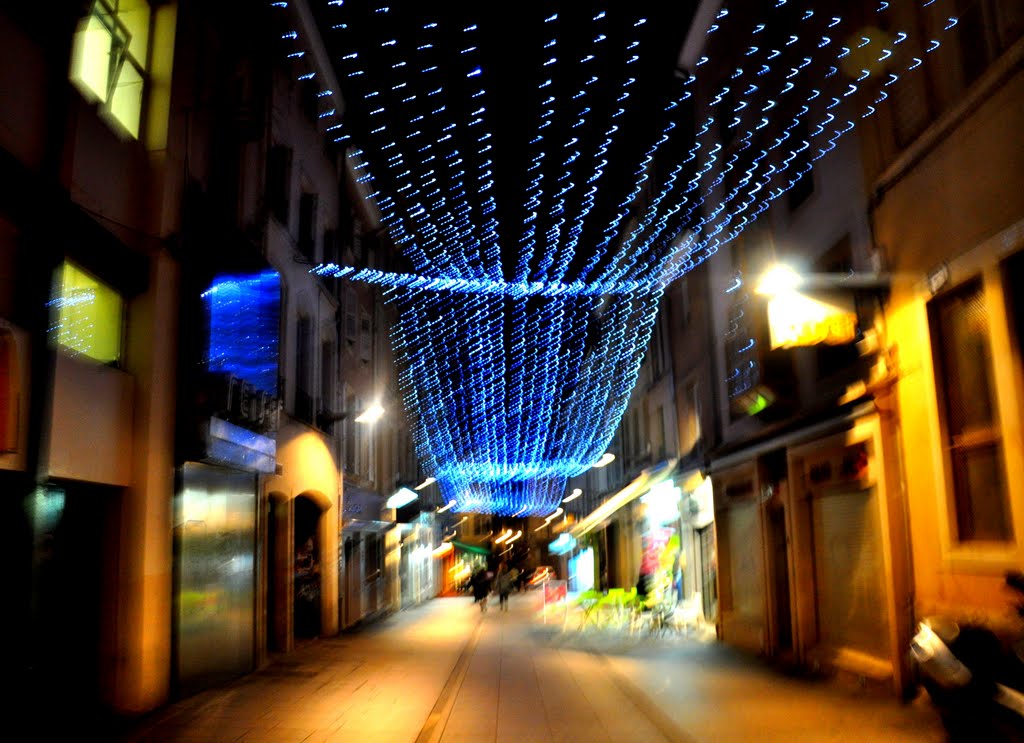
(307, 225)
(351, 316)
(659, 433)
(963, 367)
(108, 59)
(374, 557)
(350, 433)
(279, 181)
(303, 370)
(659, 344)
(87, 315)
(684, 303)
(365, 338)
(330, 248)
(327, 400)
(691, 417)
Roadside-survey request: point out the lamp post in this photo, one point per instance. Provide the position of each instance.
(371, 415)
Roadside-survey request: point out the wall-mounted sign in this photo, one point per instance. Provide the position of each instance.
(563, 544)
(798, 319)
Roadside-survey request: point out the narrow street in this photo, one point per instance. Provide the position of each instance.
(443, 672)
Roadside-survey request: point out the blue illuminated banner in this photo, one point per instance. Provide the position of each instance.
(244, 325)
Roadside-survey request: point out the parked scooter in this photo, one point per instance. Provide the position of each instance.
(974, 678)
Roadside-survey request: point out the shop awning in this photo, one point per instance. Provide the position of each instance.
(366, 526)
(644, 482)
(471, 548)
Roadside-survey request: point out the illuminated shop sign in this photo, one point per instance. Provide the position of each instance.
(797, 319)
(563, 544)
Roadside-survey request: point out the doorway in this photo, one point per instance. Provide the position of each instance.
(306, 569)
(780, 579)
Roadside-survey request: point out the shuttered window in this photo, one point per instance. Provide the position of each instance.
(746, 570)
(849, 572)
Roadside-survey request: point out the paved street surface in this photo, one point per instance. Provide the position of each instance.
(445, 673)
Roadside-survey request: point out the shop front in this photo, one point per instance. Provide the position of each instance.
(633, 537)
(367, 540)
(416, 569)
(811, 554)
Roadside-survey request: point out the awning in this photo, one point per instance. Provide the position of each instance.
(366, 526)
(644, 482)
(471, 548)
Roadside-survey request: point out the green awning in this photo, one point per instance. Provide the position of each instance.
(471, 548)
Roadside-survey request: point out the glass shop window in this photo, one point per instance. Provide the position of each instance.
(970, 421)
(87, 315)
(108, 59)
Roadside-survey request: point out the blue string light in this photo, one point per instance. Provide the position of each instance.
(521, 341)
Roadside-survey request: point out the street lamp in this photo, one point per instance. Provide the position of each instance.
(401, 497)
(781, 279)
(371, 415)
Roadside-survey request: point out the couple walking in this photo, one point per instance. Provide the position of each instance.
(504, 581)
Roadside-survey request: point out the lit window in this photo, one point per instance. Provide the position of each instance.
(87, 315)
(108, 59)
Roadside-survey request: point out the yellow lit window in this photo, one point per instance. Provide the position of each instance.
(108, 59)
(87, 315)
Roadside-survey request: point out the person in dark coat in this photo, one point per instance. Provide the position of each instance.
(481, 588)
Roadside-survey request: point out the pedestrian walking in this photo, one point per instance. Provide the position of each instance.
(481, 588)
(503, 583)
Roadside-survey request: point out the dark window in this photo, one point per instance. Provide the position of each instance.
(279, 177)
(303, 370)
(684, 303)
(350, 434)
(963, 366)
(330, 249)
(838, 258)
(374, 557)
(307, 225)
(310, 102)
(327, 401)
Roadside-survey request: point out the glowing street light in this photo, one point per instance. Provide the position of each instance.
(606, 459)
(576, 493)
(401, 497)
(371, 415)
(779, 279)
